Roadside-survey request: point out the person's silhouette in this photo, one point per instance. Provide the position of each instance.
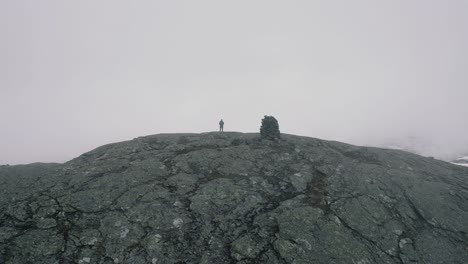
(221, 125)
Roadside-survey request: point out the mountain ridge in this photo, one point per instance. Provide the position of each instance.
(234, 198)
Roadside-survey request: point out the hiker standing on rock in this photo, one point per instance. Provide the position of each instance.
(221, 125)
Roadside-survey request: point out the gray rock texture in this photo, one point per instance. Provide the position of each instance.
(233, 198)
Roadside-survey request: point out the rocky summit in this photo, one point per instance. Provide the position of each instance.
(234, 198)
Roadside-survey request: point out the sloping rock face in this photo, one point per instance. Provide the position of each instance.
(233, 198)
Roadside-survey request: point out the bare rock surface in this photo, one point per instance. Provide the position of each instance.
(233, 198)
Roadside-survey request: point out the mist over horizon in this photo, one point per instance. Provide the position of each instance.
(78, 75)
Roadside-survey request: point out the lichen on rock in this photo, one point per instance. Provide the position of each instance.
(233, 198)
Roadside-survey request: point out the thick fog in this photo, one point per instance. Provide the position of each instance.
(75, 75)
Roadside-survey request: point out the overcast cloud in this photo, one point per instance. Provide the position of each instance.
(75, 75)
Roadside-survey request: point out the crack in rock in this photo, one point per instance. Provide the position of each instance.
(234, 198)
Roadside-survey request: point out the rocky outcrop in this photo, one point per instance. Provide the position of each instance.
(233, 198)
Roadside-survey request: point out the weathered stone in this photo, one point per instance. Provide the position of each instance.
(246, 247)
(44, 223)
(7, 233)
(36, 246)
(90, 237)
(233, 198)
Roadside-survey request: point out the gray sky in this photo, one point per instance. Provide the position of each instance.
(75, 75)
